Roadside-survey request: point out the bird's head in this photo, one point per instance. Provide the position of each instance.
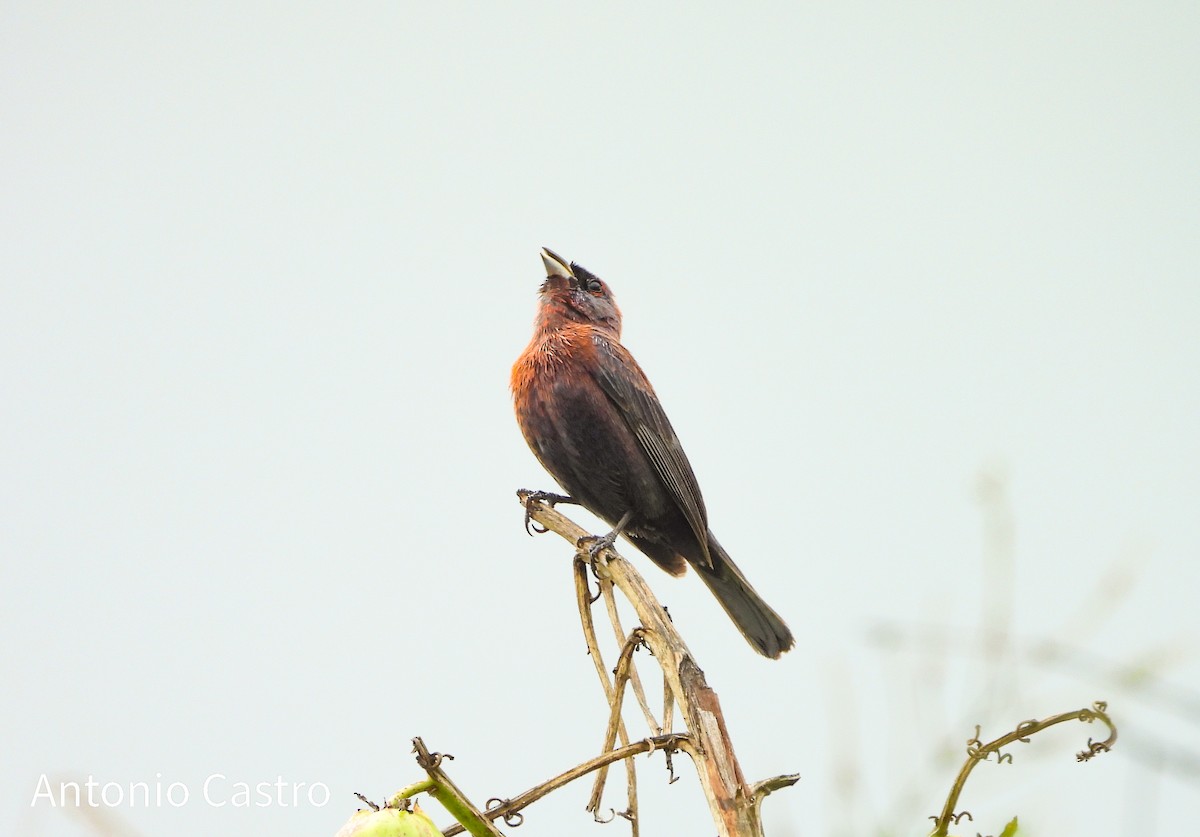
(574, 293)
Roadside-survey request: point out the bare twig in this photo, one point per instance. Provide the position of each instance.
(610, 604)
(622, 672)
(669, 743)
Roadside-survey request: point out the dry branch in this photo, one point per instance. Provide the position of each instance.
(733, 804)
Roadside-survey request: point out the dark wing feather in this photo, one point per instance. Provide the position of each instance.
(625, 384)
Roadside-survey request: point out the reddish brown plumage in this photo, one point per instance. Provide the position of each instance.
(591, 417)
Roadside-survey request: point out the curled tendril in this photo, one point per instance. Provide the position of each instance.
(612, 815)
(974, 745)
(955, 818)
(1024, 725)
(1093, 750)
(512, 819)
(1002, 757)
(599, 590)
(669, 749)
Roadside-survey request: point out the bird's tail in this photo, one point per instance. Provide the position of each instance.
(759, 624)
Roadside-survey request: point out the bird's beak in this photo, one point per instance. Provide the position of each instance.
(556, 265)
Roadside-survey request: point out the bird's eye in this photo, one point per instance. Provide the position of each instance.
(594, 286)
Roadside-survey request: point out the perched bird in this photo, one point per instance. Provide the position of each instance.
(591, 417)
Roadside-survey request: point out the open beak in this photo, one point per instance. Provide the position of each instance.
(556, 265)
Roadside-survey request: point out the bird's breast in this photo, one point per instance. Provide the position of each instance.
(578, 433)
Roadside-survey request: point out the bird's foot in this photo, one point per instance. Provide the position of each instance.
(593, 545)
(596, 544)
(547, 497)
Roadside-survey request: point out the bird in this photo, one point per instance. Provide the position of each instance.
(591, 417)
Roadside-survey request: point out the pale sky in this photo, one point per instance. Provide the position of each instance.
(265, 268)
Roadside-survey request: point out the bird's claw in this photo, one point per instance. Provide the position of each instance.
(593, 545)
(548, 497)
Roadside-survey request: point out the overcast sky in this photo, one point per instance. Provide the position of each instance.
(264, 269)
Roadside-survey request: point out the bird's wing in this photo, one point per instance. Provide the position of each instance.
(626, 385)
